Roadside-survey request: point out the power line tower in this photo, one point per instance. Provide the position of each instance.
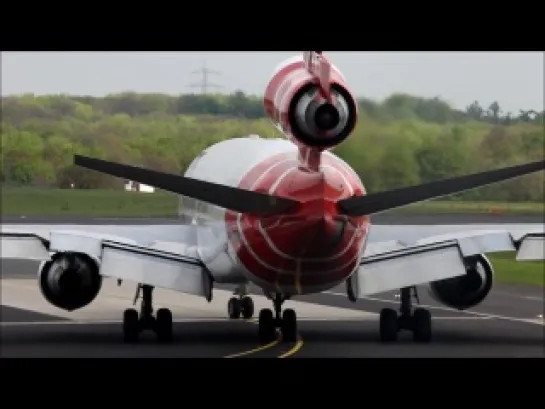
(204, 84)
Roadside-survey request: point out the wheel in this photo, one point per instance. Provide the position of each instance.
(233, 308)
(267, 330)
(289, 326)
(131, 325)
(247, 307)
(421, 325)
(163, 325)
(388, 325)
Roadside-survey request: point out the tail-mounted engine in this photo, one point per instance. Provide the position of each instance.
(308, 100)
(469, 290)
(69, 280)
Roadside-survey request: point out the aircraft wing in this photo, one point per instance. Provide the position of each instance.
(392, 265)
(141, 234)
(170, 265)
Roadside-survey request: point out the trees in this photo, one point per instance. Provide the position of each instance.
(403, 140)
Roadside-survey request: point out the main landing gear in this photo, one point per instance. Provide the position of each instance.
(240, 305)
(286, 321)
(133, 323)
(417, 321)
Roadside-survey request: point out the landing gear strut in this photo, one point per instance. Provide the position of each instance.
(287, 322)
(134, 323)
(418, 320)
(240, 305)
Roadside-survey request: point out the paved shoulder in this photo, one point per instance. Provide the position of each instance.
(380, 219)
(11, 314)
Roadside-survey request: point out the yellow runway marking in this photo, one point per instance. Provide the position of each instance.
(298, 345)
(253, 351)
(292, 351)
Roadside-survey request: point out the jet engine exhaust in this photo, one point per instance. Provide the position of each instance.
(326, 117)
(312, 106)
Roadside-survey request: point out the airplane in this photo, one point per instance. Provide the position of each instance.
(286, 215)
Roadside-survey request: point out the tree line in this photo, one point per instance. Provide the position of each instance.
(401, 141)
(396, 107)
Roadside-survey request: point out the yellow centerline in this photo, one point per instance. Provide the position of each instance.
(253, 351)
(298, 345)
(292, 351)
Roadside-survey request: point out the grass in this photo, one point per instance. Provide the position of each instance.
(118, 203)
(509, 271)
(103, 203)
(513, 208)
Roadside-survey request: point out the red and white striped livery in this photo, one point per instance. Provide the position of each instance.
(308, 99)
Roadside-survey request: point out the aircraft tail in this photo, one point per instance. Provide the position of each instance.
(320, 67)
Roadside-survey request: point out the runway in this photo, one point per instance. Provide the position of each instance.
(238, 339)
(379, 219)
(508, 324)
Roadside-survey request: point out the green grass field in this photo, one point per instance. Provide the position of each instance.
(114, 203)
(94, 203)
(509, 271)
(111, 203)
(523, 208)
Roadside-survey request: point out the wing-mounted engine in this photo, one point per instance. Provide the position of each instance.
(69, 280)
(309, 101)
(468, 290)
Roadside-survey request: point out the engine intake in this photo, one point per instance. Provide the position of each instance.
(469, 290)
(70, 280)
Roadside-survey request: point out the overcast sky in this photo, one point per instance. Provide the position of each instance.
(514, 79)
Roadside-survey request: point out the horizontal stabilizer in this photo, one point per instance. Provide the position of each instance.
(391, 199)
(236, 199)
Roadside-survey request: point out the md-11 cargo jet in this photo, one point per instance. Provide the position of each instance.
(286, 215)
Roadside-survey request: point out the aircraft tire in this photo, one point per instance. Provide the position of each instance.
(267, 330)
(131, 325)
(289, 326)
(421, 325)
(233, 308)
(163, 325)
(388, 325)
(247, 307)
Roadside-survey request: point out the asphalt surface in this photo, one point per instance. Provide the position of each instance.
(379, 219)
(238, 339)
(507, 324)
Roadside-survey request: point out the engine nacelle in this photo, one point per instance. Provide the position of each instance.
(295, 102)
(69, 280)
(469, 290)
